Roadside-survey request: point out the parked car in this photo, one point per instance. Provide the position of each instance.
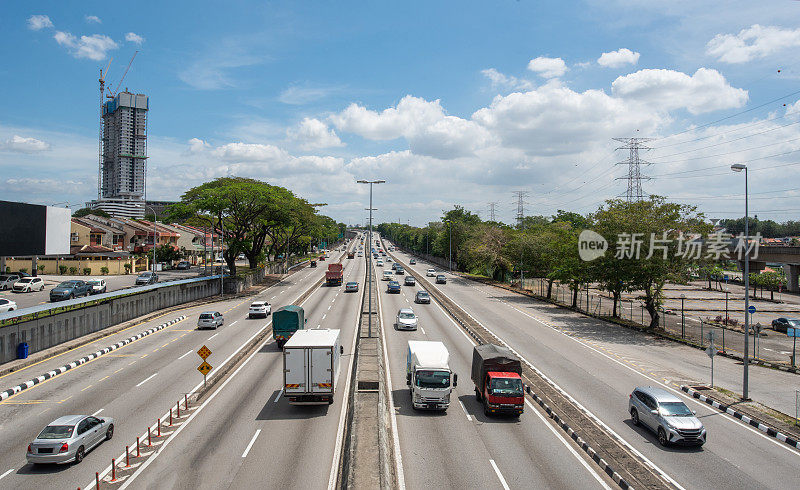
(7, 305)
(147, 277)
(183, 265)
(422, 297)
(7, 281)
(210, 319)
(393, 287)
(412, 262)
(441, 279)
(69, 438)
(69, 290)
(351, 287)
(28, 284)
(666, 415)
(387, 275)
(406, 319)
(431, 273)
(409, 281)
(781, 324)
(97, 286)
(241, 257)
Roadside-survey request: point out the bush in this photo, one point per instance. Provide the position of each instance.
(62, 269)
(73, 270)
(128, 267)
(41, 268)
(23, 269)
(87, 271)
(104, 270)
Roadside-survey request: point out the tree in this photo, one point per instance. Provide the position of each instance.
(166, 253)
(87, 211)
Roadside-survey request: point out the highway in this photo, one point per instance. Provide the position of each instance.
(599, 365)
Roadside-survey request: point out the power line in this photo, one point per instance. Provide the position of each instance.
(635, 177)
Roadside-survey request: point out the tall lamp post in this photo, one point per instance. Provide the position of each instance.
(450, 243)
(683, 318)
(369, 256)
(738, 167)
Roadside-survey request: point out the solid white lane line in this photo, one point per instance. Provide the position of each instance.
(213, 336)
(6, 473)
(146, 380)
(278, 396)
(185, 355)
(499, 475)
(252, 441)
(469, 417)
(97, 412)
(567, 445)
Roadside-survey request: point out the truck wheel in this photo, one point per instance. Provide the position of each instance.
(486, 410)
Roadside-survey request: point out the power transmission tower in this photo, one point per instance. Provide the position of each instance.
(491, 211)
(521, 195)
(634, 177)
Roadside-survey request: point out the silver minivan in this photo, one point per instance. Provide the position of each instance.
(666, 415)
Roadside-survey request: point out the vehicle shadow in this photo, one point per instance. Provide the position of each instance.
(43, 468)
(651, 438)
(402, 403)
(282, 410)
(475, 409)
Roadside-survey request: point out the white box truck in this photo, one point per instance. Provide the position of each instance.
(428, 375)
(311, 366)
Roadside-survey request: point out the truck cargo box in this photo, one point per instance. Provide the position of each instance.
(490, 357)
(335, 267)
(287, 320)
(311, 366)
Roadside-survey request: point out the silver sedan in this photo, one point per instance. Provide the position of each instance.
(69, 438)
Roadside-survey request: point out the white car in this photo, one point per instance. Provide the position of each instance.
(97, 286)
(431, 273)
(259, 309)
(28, 284)
(379, 263)
(7, 305)
(387, 275)
(406, 319)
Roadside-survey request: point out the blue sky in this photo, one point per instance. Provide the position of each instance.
(450, 102)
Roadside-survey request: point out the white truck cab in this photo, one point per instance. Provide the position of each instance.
(428, 375)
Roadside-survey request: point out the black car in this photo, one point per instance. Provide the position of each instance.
(393, 287)
(441, 279)
(781, 324)
(313, 263)
(422, 297)
(409, 281)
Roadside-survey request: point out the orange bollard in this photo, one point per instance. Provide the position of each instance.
(138, 454)
(97, 479)
(170, 417)
(186, 399)
(159, 428)
(113, 470)
(127, 457)
(149, 442)
(179, 409)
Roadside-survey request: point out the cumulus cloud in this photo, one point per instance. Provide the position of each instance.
(754, 42)
(506, 82)
(705, 91)
(132, 37)
(39, 22)
(94, 47)
(93, 19)
(20, 144)
(548, 67)
(620, 57)
(312, 134)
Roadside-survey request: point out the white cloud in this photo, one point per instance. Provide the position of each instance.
(249, 152)
(303, 94)
(754, 42)
(502, 81)
(312, 134)
(620, 57)
(197, 145)
(665, 90)
(21, 144)
(94, 47)
(548, 67)
(93, 19)
(39, 22)
(213, 70)
(132, 37)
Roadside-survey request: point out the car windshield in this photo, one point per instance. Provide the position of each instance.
(56, 432)
(68, 284)
(26, 279)
(422, 295)
(406, 316)
(205, 316)
(794, 323)
(506, 387)
(4, 278)
(433, 379)
(674, 409)
(256, 305)
(145, 274)
(93, 282)
(352, 284)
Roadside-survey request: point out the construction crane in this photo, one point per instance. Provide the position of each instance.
(113, 94)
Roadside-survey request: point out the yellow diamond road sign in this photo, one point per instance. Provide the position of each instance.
(204, 352)
(204, 368)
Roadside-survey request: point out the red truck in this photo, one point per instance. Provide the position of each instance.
(334, 274)
(496, 372)
(351, 255)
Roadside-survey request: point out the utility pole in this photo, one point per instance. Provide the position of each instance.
(634, 177)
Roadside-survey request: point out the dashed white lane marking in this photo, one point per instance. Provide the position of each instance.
(273, 297)
(97, 412)
(252, 441)
(6, 473)
(323, 316)
(499, 475)
(185, 355)
(469, 417)
(423, 331)
(146, 380)
(278, 396)
(213, 336)
(234, 322)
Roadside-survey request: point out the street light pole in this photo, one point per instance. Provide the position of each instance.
(738, 167)
(683, 318)
(450, 241)
(369, 256)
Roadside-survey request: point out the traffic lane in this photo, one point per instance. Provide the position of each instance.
(602, 384)
(133, 406)
(526, 453)
(210, 458)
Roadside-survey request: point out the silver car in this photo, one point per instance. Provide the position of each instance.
(69, 438)
(210, 319)
(406, 319)
(667, 416)
(7, 281)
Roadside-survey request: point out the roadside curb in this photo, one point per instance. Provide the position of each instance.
(55, 372)
(744, 418)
